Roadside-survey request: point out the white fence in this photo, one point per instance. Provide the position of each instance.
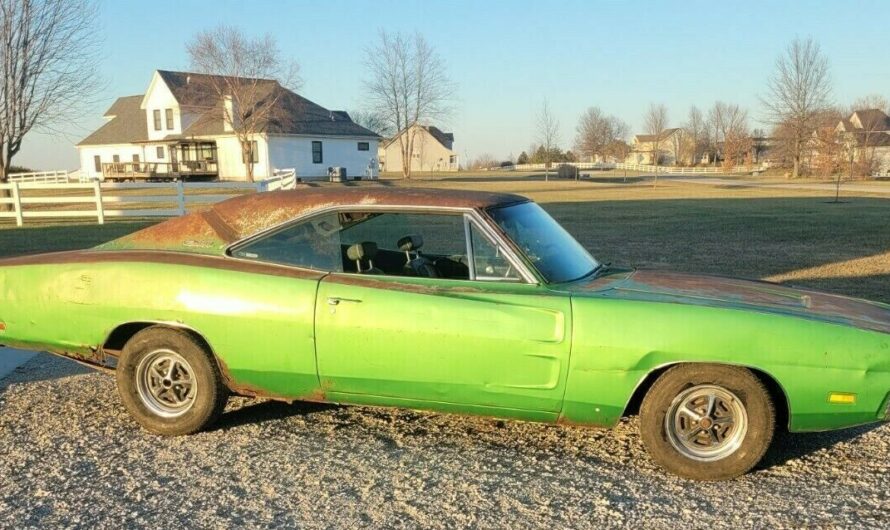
(99, 200)
(634, 167)
(44, 177)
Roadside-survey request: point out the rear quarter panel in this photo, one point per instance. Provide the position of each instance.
(616, 343)
(260, 326)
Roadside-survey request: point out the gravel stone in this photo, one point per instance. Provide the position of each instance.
(71, 457)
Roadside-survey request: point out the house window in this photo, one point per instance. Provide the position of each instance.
(135, 159)
(161, 152)
(317, 157)
(364, 146)
(168, 115)
(97, 163)
(157, 117)
(116, 159)
(254, 153)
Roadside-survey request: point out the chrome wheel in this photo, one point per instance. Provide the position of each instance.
(706, 423)
(166, 383)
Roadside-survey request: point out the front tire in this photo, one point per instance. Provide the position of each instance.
(707, 422)
(169, 383)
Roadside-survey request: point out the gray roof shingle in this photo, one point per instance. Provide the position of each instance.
(127, 125)
(294, 114)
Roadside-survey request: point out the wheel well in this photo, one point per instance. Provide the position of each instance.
(780, 400)
(120, 335)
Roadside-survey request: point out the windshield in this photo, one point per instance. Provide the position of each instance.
(552, 250)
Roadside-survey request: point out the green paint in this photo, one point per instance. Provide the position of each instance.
(574, 352)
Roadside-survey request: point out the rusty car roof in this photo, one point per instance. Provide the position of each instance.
(210, 231)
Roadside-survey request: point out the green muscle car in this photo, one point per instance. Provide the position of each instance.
(464, 302)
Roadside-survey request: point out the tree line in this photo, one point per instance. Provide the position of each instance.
(799, 130)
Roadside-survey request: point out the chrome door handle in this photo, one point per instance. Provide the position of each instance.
(335, 300)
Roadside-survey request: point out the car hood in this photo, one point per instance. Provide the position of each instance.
(718, 291)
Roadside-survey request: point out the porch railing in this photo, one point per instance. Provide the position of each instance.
(151, 170)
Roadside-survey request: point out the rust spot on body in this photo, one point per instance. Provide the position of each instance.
(248, 390)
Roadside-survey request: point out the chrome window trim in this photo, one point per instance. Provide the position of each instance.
(470, 215)
(468, 241)
(508, 254)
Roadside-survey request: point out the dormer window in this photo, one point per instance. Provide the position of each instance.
(169, 118)
(157, 119)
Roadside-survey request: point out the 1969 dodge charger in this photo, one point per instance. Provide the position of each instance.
(464, 302)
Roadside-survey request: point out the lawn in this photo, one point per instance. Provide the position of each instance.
(795, 237)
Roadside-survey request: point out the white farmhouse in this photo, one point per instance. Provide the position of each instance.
(176, 129)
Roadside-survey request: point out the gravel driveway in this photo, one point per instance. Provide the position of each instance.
(71, 457)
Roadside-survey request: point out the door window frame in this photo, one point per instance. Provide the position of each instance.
(471, 217)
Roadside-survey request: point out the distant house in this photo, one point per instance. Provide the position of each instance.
(433, 150)
(868, 129)
(642, 148)
(177, 128)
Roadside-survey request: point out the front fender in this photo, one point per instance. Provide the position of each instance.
(617, 343)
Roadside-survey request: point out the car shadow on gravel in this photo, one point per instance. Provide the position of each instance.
(254, 412)
(35, 370)
(790, 446)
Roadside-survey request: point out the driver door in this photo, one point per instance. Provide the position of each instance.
(471, 338)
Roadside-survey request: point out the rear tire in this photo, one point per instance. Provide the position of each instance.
(707, 422)
(169, 382)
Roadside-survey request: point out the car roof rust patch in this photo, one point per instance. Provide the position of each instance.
(210, 231)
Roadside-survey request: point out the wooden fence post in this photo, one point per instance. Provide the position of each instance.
(17, 204)
(180, 196)
(100, 210)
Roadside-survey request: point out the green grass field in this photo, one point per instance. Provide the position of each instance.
(796, 237)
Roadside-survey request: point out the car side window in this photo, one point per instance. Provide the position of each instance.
(405, 244)
(312, 244)
(489, 261)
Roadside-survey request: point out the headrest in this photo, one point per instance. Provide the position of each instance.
(363, 250)
(409, 243)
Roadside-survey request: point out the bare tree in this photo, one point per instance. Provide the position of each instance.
(828, 147)
(733, 129)
(374, 121)
(548, 135)
(798, 91)
(714, 126)
(48, 50)
(249, 77)
(408, 86)
(655, 122)
(597, 133)
(696, 132)
(680, 145)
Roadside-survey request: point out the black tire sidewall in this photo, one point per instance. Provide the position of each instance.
(209, 400)
(741, 382)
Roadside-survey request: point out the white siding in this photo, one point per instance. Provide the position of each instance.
(231, 167)
(296, 152)
(106, 155)
(160, 98)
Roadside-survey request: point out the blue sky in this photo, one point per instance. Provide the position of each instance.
(506, 57)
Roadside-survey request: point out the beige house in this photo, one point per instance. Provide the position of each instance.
(869, 129)
(642, 148)
(433, 150)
